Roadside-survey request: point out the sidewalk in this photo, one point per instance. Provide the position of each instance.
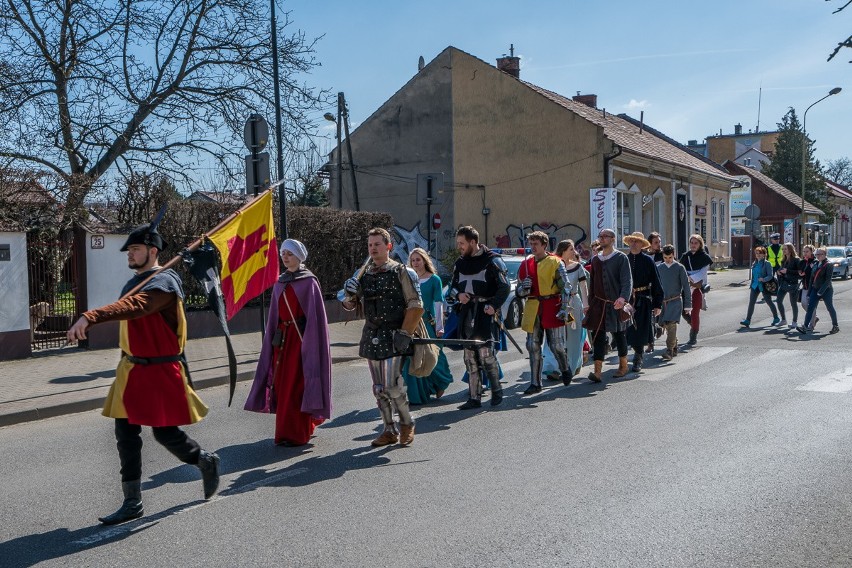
(58, 382)
(55, 382)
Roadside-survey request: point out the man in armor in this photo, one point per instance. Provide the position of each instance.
(151, 386)
(544, 283)
(390, 295)
(477, 291)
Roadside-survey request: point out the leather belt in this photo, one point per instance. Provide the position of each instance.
(153, 360)
(642, 289)
(551, 296)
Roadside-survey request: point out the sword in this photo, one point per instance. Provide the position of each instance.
(503, 328)
(451, 342)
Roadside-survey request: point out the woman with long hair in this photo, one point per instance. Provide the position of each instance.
(421, 389)
(575, 333)
(761, 272)
(788, 283)
(697, 263)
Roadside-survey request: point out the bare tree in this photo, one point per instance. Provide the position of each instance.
(848, 41)
(839, 171)
(90, 86)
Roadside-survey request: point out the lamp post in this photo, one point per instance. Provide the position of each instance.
(833, 91)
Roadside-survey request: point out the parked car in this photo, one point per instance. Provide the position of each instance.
(513, 308)
(837, 256)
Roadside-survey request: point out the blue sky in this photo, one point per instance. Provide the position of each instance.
(693, 67)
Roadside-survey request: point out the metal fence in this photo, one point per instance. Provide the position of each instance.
(53, 283)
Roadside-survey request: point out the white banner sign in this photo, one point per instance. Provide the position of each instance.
(602, 210)
(741, 197)
(788, 230)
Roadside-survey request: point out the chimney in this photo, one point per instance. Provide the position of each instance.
(588, 100)
(738, 129)
(510, 64)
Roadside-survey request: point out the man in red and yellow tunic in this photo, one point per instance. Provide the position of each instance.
(151, 386)
(544, 283)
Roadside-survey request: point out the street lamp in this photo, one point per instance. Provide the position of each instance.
(833, 91)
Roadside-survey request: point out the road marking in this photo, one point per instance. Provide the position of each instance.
(685, 360)
(837, 382)
(149, 521)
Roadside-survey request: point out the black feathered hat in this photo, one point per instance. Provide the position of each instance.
(147, 234)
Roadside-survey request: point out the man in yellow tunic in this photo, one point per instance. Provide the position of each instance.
(544, 283)
(151, 387)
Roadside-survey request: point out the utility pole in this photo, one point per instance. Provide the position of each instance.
(279, 143)
(339, 152)
(342, 101)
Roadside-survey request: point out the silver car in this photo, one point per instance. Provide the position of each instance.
(837, 258)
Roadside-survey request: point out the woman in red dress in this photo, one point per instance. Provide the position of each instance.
(293, 377)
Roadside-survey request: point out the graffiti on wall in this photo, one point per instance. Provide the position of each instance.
(515, 235)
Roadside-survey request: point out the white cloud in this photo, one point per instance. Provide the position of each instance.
(636, 105)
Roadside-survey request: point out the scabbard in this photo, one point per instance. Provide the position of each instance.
(450, 342)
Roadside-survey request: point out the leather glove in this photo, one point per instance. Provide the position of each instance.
(353, 286)
(401, 341)
(526, 284)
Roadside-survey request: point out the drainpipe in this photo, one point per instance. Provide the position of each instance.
(607, 160)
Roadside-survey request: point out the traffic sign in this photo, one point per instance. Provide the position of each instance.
(752, 211)
(256, 133)
(436, 221)
(257, 173)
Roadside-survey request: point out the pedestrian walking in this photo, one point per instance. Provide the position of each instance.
(544, 284)
(293, 374)
(611, 286)
(422, 389)
(646, 297)
(389, 293)
(821, 288)
(478, 288)
(809, 264)
(697, 263)
(761, 272)
(677, 298)
(788, 284)
(151, 386)
(575, 333)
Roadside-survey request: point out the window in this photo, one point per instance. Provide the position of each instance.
(723, 218)
(623, 213)
(659, 212)
(714, 221)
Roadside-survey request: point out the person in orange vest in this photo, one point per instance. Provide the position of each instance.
(775, 252)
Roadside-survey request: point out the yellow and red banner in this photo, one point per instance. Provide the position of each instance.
(249, 253)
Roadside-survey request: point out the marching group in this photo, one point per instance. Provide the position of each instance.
(616, 300)
(777, 270)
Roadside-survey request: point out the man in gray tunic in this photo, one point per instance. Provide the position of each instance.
(677, 298)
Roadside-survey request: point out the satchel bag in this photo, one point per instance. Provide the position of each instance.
(771, 286)
(425, 355)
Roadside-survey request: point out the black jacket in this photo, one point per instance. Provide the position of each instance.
(822, 277)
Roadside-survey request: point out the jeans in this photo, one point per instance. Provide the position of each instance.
(813, 301)
(793, 303)
(753, 298)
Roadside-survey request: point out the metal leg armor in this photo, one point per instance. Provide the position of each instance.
(534, 340)
(389, 390)
(471, 363)
(488, 361)
(556, 341)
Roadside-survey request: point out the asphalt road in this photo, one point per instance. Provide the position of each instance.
(737, 453)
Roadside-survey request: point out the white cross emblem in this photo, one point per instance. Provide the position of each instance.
(469, 279)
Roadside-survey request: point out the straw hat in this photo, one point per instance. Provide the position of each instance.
(637, 236)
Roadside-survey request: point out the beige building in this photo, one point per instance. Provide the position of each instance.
(515, 156)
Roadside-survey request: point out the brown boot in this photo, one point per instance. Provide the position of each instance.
(406, 434)
(595, 376)
(622, 368)
(387, 437)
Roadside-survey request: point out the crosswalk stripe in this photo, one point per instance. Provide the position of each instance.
(836, 382)
(684, 361)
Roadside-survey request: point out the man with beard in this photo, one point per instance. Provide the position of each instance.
(390, 294)
(477, 291)
(609, 290)
(151, 386)
(647, 297)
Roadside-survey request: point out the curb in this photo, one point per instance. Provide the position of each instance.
(74, 407)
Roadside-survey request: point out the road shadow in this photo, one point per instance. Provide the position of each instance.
(83, 378)
(33, 549)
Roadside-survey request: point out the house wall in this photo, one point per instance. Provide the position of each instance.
(407, 135)
(14, 309)
(106, 269)
(528, 160)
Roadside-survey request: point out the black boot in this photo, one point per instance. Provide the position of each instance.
(533, 389)
(693, 337)
(132, 506)
(208, 463)
(470, 404)
(567, 375)
(637, 361)
(496, 395)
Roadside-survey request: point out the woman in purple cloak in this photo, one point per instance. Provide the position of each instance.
(293, 377)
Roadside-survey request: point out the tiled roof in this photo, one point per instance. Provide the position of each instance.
(625, 132)
(796, 200)
(838, 190)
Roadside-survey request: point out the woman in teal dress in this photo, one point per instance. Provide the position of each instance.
(421, 389)
(575, 334)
